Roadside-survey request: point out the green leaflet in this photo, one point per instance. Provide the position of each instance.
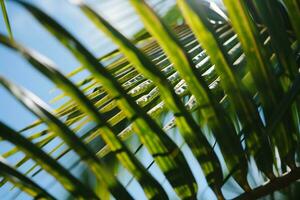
(233, 87)
(40, 109)
(6, 19)
(165, 152)
(186, 124)
(24, 183)
(75, 187)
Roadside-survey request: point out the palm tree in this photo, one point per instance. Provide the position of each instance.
(227, 78)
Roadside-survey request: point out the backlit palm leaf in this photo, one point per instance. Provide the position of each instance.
(229, 84)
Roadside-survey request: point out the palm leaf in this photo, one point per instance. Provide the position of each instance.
(231, 86)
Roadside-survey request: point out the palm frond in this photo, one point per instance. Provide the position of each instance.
(228, 84)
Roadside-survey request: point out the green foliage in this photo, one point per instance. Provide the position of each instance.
(240, 76)
(6, 20)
